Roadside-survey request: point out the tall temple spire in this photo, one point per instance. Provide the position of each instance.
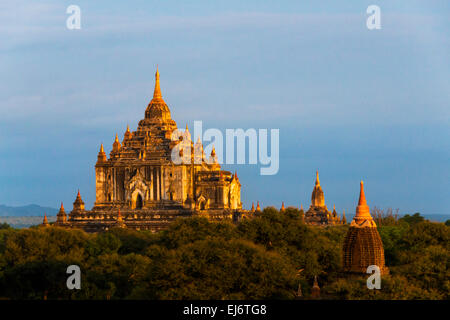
(362, 196)
(317, 196)
(116, 145)
(157, 111)
(45, 221)
(362, 210)
(127, 135)
(101, 157)
(78, 205)
(157, 93)
(61, 217)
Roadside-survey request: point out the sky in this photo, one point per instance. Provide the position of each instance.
(350, 102)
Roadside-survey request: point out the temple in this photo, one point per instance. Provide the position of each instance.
(362, 245)
(318, 213)
(155, 175)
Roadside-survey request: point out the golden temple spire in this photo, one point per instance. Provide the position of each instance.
(45, 221)
(253, 207)
(282, 207)
(127, 135)
(157, 93)
(317, 178)
(62, 207)
(362, 210)
(116, 145)
(258, 208)
(362, 196)
(101, 157)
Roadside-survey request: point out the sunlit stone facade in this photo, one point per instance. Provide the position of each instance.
(318, 213)
(141, 178)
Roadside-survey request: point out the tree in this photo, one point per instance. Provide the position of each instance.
(215, 268)
(414, 219)
(4, 225)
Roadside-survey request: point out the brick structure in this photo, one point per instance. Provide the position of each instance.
(362, 244)
(155, 175)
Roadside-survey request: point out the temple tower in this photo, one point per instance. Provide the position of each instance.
(317, 197)
(45, 221)
(315, 290)
(156, 174)
(61, 217)
(318, 213)
(362, 244)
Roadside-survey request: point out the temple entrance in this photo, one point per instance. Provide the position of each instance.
(138, 202)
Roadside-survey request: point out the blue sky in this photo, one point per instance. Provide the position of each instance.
(353, 103)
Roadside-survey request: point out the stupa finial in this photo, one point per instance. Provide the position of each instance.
(157, 92)
(362, 210)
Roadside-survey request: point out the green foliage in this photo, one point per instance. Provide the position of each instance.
(218, 269)
(425, 234)
(4, 225)
(104, 243)
(260, 258)
(414, 219)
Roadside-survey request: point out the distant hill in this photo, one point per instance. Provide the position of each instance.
(24, 222)
(29, 210)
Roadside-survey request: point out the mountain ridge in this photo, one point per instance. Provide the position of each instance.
(28, 210)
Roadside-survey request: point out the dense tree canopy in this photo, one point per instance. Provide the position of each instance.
(260, 258)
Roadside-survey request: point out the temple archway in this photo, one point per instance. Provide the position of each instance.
(138, 202)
